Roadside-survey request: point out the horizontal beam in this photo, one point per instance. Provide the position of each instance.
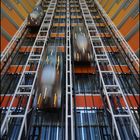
(81, 100)
(18, 68)
(92, 70)
(28, 49)
(62, 35)
(75, 24)
(96, 101)
(5, 101)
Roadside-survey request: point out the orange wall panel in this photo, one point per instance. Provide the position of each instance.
(4, 42)
(27, 5)
(5, 23)
(115, 8)
(123, 13)
(103, 2)
(129, 24)
(20, 9)
(12, 14)
(108, 5)
(134, 41)
(33, 2)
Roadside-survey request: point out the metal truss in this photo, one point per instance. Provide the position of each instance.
(126, 46)
(101, 58)
(28, 89)
(69, 130)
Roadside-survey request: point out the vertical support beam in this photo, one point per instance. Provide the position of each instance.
(69, 132)
(109, 89)
(40, 42)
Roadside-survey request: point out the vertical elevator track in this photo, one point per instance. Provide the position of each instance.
(100, 88)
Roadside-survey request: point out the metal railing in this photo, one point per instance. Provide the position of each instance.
(69, 130)
(101, 58)
(40, 43)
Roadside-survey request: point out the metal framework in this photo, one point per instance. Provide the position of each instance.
(109, 90)
(40, 43)
(69, 130)
(128, 49)
(79, 120)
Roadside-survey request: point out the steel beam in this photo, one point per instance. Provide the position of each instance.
(47, 21)
(69, 130)
(104, 58)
